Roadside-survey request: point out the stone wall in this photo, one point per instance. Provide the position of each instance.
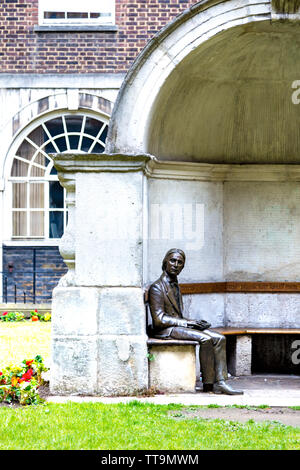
(246, 231)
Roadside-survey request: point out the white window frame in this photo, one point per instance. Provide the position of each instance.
(106, 9)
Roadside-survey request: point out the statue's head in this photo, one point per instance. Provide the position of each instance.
(173, 262)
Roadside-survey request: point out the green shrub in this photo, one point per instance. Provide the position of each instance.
(20, 383)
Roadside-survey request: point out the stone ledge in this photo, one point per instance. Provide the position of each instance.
(75, 29)
(170, 342)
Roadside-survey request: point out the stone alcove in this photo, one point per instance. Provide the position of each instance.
(204, 127)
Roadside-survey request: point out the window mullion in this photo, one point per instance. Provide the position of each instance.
(28, 210)
(81, 132)
(46, 209)
(66, 132)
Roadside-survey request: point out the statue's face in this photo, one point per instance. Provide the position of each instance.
(174, 264)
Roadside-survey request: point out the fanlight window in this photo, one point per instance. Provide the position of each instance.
(38, 200)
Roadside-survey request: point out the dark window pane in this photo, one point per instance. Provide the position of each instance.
(55, 126)
(72, 14)
(98, 148)
(56, 224)
(54, 14)
(86, 143)
(104, 134)
(61, 144)
(92, 126)
(53, 171)
(74, 141)
(74, 123)
(56, 195)
(49, 148)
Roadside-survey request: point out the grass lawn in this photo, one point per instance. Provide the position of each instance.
(133, 426)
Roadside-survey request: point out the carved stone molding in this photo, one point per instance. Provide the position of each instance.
(221, 172)
(67, 242)
(285, 10)
(286, 6)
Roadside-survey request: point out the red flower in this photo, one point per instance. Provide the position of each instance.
(28, 363)
(27, 376)
(5, 313)
(34, 318)
(35, 310)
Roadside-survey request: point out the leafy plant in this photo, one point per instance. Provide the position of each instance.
(12, 316)
(19, 316)
(20, 383)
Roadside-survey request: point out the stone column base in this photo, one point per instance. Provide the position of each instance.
(240, 361)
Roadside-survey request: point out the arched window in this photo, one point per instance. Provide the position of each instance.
(38, 200)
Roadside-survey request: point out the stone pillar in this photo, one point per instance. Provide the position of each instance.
(99, 342)
(241, 358)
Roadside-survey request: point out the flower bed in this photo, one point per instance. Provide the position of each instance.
(20, 383)
(19, 316)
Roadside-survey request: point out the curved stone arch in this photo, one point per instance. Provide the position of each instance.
(28, 117)
(130, 117)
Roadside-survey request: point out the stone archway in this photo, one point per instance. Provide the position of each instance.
(191, 40)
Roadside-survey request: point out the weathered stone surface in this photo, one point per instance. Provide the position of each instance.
(109, 232)
(123, 368)
(262, 310)
(261, 231)
(173, 368)
(75, 311)
(240, 363)
(186, 215)
(121, 311)
(74, 365)
(209, 307)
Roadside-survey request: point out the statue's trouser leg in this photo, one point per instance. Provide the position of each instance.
(212, 352)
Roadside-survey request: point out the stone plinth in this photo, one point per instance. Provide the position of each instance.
(172, 365)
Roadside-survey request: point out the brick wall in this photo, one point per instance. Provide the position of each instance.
(25, 51)
(45, 261)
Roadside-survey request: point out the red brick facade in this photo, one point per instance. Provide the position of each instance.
(23, 50)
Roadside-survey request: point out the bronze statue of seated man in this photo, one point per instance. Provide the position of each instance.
(166, 308)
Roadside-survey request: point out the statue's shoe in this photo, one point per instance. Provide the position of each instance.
(222, 387)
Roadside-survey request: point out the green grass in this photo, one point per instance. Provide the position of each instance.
(23, 340)
(133, 426)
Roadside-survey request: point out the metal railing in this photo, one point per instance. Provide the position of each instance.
(29, 286)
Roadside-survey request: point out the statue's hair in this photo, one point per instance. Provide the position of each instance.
(170, 252)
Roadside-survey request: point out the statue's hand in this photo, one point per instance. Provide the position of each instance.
(199, 324)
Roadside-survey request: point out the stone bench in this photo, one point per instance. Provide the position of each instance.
(172, 365)
(172, 362)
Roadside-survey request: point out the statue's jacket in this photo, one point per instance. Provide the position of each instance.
(165, 311)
